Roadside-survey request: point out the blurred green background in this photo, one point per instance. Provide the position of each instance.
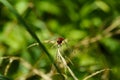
(90, 26)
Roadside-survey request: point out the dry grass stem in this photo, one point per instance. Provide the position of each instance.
(106, 33)
(8, 66)
(27, 65)
(65, 63)
(115, 24)
(34, 44)
(95, 73)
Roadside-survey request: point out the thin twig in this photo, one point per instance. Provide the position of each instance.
(95, 73)
(34, 44)
(106, 33)
(27, 65)
(36, 71)
(112, 26)
(65, 64)
(8, 66)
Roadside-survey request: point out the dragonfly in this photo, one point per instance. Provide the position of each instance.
(60, 59)
(58, 42)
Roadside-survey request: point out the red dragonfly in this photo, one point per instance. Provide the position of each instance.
(59, 41)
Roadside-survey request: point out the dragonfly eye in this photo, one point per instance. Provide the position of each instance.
(59, 41)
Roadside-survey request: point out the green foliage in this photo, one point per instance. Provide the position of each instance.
(91, 28)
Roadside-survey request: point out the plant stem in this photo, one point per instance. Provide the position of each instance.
(22, 21)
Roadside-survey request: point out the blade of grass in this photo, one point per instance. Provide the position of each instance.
(22, 21)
